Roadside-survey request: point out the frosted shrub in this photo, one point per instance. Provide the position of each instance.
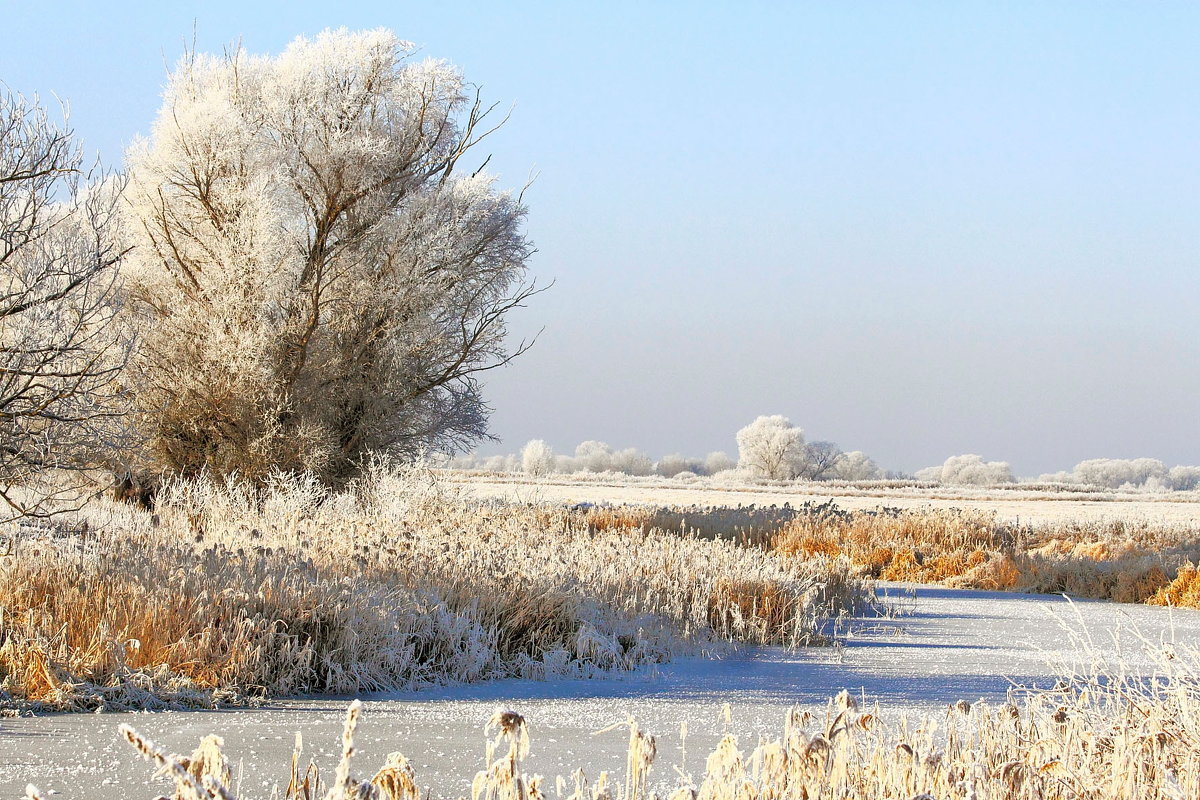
(290, 494)
(537, 458)
(772, 448)
(968, 470)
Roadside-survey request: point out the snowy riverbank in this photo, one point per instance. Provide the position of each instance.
(951, 645)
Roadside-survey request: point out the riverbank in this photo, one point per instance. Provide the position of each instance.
(950, 645)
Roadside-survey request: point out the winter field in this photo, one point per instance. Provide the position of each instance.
(1014, 504)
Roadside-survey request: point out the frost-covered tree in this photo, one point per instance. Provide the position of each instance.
(820, 460)
(316, 274)
(1148, 474)
(1184, 478)
(671, 465)
(537, 458)
(502, 463)
(632, 461)
(61, 403)
(968, 470)
(717, 461)
(1115, 473)
(856, 466)
(771, 447)
(593, 456)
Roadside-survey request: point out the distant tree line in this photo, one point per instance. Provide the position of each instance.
(771, 448)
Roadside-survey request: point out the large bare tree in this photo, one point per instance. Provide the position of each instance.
(61, 355)
(316, 276)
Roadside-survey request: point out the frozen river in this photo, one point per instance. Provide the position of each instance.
(950, 645)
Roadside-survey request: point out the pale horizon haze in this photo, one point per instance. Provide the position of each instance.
(915, 229)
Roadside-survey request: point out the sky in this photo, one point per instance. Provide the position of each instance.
(915, 229)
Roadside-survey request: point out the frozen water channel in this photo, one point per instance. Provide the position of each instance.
(950, 645)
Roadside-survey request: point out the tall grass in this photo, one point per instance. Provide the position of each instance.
(1131, 562)
(230, 593)
(1118, 560)
(1097, 736)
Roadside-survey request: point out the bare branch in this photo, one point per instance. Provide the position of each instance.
(61, 405)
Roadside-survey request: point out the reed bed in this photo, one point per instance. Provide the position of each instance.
(1104, 735)
(229, 593)
(1123, 561)
(1131, 562)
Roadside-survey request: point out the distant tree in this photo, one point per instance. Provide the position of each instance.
(537, 458)
(593, 456)
(316, 276)
(856, 466)
(717, 461)
(771, 447)
(820, 460)
(1115, 473)
(1184, 478)
(502, 463)
(968, 470)
(632, 461)
(671, 465)
(61, 403)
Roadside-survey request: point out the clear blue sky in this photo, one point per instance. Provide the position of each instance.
(917, 229)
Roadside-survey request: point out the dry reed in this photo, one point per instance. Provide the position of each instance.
(1117, 560)
(1124, 561)
(230, 593)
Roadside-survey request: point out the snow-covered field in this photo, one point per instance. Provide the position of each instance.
(950, 645)
(1014, 505)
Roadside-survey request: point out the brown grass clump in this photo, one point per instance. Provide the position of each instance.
(228, 594)
(1104, 737)
(1184, 590)
(1118, 561)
